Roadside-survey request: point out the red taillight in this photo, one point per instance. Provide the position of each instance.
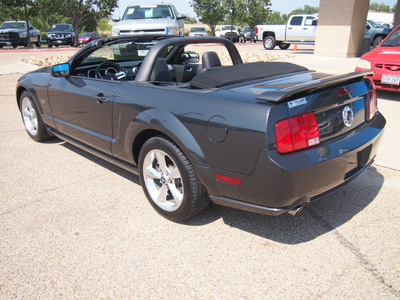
(372, 103)
(256, 30)
(296, 133)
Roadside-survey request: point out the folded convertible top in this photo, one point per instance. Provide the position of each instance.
(222, 76)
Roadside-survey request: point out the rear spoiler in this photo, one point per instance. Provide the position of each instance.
(311, 86)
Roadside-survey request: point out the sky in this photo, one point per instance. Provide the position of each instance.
(283, 6)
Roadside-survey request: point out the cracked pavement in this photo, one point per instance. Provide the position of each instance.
(75, 226)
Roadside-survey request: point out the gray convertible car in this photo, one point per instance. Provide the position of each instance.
(267, 137)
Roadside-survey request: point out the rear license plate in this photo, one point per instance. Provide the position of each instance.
(388, 79)
(59, 42)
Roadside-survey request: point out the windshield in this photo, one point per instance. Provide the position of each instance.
(393, 40)
(123, 51)
(61, 27)
(196, 29)
(373, 24)
(228, 27)
(14, 25)
(148, 12)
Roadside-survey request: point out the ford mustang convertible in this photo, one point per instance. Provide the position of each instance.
(267, 137)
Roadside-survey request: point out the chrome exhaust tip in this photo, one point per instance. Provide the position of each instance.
(296, 210)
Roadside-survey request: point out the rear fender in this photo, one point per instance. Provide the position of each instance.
(160, 121)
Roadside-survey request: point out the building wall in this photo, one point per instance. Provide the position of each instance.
(341, 27)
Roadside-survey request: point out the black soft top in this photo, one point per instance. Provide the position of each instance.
(223, 76)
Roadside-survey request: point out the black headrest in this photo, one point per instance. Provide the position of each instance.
(210, 60)
(160, 71)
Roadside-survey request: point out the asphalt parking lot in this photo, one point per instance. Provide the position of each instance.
(75, 226)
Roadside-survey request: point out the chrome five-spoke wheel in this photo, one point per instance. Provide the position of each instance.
(163, 180)
(29, 116)
(33, 122)
(170, 181)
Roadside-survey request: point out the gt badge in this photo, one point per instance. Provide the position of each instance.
(348, 116)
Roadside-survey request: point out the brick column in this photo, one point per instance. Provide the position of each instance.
(341, 27)
(397, 15)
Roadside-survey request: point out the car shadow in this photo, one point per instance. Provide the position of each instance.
(105, 164)
(388, 95)
(316, 219)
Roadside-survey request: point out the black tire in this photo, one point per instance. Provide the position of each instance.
(169, 180)
(14, 46)
(377, 40)
(39, 43)
(31, 118)
(284, 46)
(269, 42)
(49, 45)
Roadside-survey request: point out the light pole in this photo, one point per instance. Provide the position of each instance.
(28, 37)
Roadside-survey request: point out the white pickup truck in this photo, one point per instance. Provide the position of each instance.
(299, 29)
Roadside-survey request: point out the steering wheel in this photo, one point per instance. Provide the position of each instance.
(118, 75)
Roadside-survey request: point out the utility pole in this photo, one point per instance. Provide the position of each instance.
(28, 37)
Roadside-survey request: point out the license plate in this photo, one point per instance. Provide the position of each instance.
(59, 42)
(388, 79)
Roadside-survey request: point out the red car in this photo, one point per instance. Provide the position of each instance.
(87, 37)
(385, 61)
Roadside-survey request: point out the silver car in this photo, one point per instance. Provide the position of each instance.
(149, 19)
(198, 31)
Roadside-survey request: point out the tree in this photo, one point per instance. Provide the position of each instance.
(209, 12)
(309, 10)
(47, 12)
(12, 10)
(235, 10)
(275, 18)
(257, 12)
(379, 7)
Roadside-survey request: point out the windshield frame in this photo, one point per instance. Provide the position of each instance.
(393, 39)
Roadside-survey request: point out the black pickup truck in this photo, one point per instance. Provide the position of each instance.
(14, 33)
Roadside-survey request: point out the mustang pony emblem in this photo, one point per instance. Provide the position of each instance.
(348, 116)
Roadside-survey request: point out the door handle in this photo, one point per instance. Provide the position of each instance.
(100, 98)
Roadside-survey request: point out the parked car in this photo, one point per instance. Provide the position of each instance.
(376, 32)
(299, 29)
(87, 37)
(384, 60)
(61, 34)
(149, 19)
(198, 31)
(14, 33)
(302, 29)
(247, 35)
(228, 31)
(267, 137)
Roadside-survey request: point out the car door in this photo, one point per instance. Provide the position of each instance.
(82, 109)
(309, 29)
(294, 30)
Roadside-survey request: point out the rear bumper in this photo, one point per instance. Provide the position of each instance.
(281, 183)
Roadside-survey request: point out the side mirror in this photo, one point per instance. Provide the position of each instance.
(190, 57)
(60, 70)
(181, 16)
(116, 18)
(314, 23)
